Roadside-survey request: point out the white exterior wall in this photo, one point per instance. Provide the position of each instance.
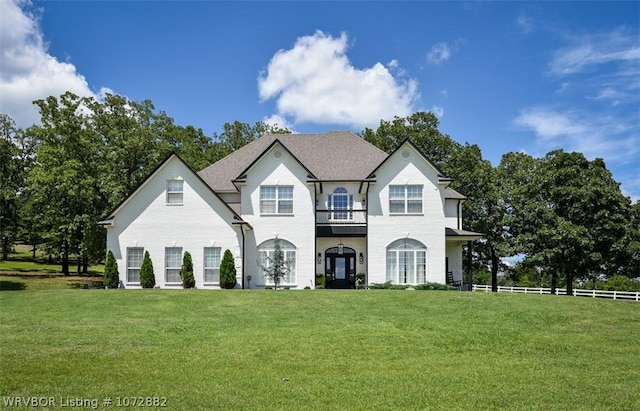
(145, 220)
(427, 228)
(454, 254)
(298, 229)
(452, 212)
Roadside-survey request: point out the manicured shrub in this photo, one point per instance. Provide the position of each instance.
(147, 277)
(620, 283)
(320, 281)
(186, 272)
(111, 277)
(227, 271)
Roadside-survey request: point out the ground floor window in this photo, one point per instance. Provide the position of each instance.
(266, 253)
(212, 265)
(407, 262)
(173, 264)
(134, 262)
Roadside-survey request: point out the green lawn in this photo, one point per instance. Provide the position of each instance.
(322, 349)
(22, 272)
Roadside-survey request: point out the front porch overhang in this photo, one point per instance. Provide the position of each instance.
(341, 230)
(454, 235)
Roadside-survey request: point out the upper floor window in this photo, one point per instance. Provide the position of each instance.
(340, 204)
(405, 199)
(276, 199)
(175, 190)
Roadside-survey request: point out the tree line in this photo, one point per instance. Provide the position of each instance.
(565, 215)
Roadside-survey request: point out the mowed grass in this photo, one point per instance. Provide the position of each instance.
(22, 272)
(322, 349)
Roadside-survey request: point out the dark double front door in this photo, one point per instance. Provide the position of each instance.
(340, 266)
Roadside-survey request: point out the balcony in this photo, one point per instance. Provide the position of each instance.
(341, 223)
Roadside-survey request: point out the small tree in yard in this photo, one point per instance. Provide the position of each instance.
(147, 277)
(111, 276)
(186, 272)
(227, 270)
(277, 268)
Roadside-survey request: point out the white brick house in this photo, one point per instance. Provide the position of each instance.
(338, 205)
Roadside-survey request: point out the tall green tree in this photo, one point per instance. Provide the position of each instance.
(64, 181)
(421, 128)
(571, 217)
(238, 134)
(10, 183)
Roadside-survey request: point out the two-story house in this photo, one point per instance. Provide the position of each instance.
(338, 205)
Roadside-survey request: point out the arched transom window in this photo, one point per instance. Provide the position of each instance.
(266, 252)
(407, 262)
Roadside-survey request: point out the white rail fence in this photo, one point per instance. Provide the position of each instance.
(616, 295)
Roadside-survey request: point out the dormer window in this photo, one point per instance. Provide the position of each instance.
(175, 192)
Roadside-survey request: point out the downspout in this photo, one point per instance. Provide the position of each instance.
(366, 243)
(243, 247)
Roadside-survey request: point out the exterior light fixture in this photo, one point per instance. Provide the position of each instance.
(319, 259)
(361, 258)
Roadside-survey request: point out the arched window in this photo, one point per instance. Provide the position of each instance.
(341, 201)
(407, 262)
(266, 252)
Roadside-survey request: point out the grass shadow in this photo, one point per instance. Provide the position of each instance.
(12, 286)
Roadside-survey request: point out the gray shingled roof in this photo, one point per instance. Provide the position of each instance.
(336, 155)
(452, 194)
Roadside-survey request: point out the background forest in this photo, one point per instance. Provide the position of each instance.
(563, 215)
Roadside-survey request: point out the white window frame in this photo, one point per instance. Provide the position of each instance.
(175, 266)
(407, 199)
(407, 262)
(266, 249)
(133, 269)
(339, 212)
(212, 265)
(277, 200)
(175, 192)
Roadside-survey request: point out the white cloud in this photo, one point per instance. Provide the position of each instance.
(438, 111)
(601, 136)
(439, 52)
(277, 120)
(315, 82)
(584, 52)
(524, 23)
(28, 72)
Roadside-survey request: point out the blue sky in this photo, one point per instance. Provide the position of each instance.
(508, 76)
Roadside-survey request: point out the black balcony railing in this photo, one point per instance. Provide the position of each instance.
(341, 217)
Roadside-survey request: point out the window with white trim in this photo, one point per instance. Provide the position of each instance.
(265, 256)
(340, 204)
(212, 265)
(407, 262)
(172, 264)
(134, 263)
(276, 199)
(175, 192)
(405, 199)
